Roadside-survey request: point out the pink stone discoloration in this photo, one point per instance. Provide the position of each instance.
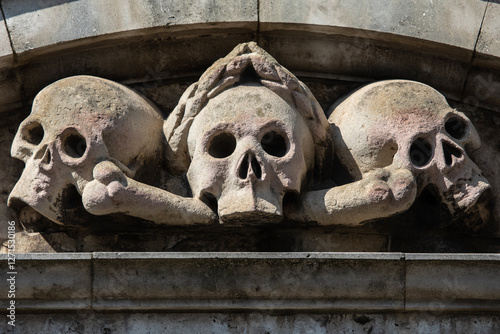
(248, 148)
(247, 96)
(74, 124)
(410, 125)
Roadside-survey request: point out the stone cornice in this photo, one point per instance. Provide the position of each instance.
(220, 282)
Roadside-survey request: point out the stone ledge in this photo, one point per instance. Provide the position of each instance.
(489, 42)
(453, 282)
(215, 282)
(252, 322)
(35, 25)
(454, 23)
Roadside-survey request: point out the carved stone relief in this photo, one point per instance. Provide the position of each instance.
(410, 125)
(253, 146)
(75, 124)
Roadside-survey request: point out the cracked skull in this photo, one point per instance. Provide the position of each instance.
(411, 125)
(248, 148)
(74, 124)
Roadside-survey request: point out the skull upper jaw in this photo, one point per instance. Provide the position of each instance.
(238, 201)
(252, 204)
(462, 191)
(40, 191)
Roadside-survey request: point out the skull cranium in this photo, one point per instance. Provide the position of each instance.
(411, 125)
(248, 147)
(75, 123)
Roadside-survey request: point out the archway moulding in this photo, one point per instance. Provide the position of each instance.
(448, 45)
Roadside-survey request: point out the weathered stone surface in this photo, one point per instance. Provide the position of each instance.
(381, 193)
(6, 54)
(452, 282)
(367, 58)
(482, 88)
(228, 282)
(145, 61)
(9, 175)
(428, 42)
(429, 48)
(50, 281)
(76, 123)
(254, 322)
(10, 90)
(247, 130)
(237, 281)
(213, 238)
(321, 241)
(489, 41)
(488, 126)
(409, 125)
(264, 153)
(35, 25)
(454, 23)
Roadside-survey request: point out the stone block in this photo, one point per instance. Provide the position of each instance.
(341, 242)
(452, 282)
(6, 54)
(35, 24)
(50, 281)
(248, 281)
(482, 87)
(375, 40)
(454, 23)
(253, 322)
(489, 39)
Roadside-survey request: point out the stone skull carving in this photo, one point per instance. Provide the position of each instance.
(248, 148)
(76, 123)
(409, 124)
(246, 134)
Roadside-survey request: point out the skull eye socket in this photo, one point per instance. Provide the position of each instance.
(420, 152)
(456, 127)
(74, 144)
(274, 144)
(33, 133)
(222, 145)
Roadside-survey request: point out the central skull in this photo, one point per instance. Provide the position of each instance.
(248, 148)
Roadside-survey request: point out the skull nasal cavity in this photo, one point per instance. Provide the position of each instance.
(43, 155)
(222, 145)
(450, 151)
(249, 163)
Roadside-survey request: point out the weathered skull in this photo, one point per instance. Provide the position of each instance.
(248, 149)
(410, 125)
(75, 123)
